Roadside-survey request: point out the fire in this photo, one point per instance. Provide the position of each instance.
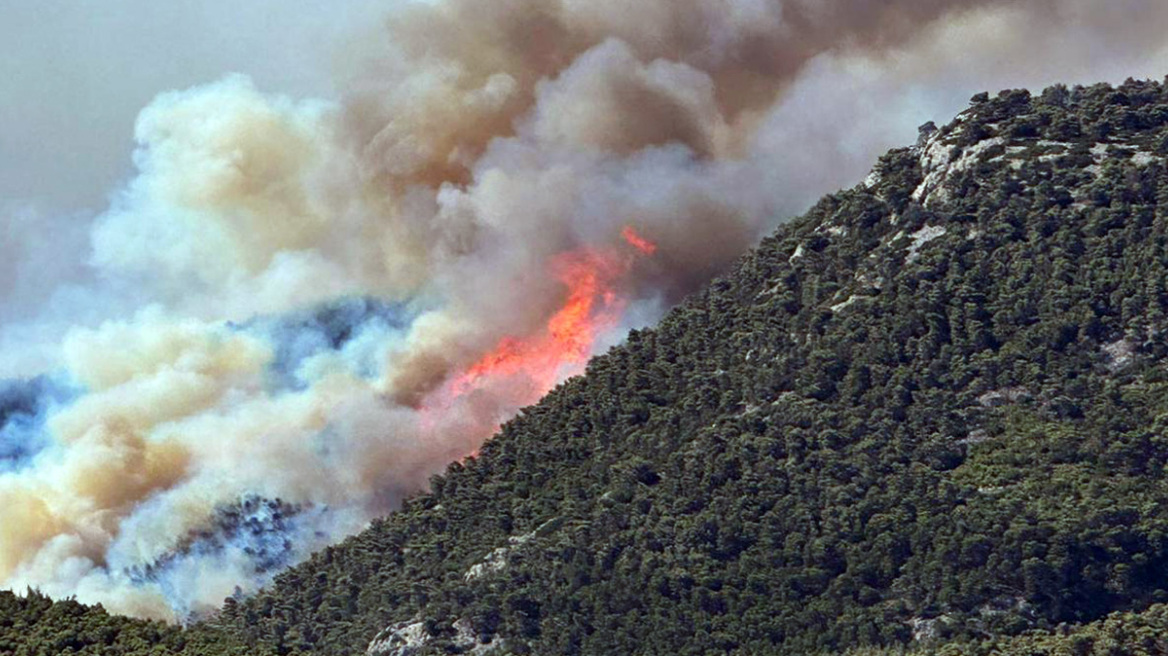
(637, 241)
(592, 306)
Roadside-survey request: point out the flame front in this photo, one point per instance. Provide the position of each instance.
(637, 241)
(593, 305)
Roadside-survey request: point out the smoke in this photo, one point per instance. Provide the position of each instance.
(299, 310)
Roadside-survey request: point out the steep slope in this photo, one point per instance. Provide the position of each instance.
(931, 412)
(930, 409)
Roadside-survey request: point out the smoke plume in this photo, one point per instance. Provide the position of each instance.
(299, 309)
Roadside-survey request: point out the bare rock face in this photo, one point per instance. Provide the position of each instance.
(411, 637)
(1005, 396)
(401, 639)
(1119, 355)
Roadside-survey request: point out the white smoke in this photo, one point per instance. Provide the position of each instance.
(285, 302)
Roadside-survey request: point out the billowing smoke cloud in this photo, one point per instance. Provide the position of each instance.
(299, 310)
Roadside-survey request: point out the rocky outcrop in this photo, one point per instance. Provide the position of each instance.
(412, 638)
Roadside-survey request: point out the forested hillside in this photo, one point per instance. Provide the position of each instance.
(929, 414)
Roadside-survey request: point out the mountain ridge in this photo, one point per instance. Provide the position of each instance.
(887, 226)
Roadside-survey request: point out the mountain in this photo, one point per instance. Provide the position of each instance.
(929, 413)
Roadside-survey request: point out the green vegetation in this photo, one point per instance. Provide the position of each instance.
(34, 625)
(930, 420)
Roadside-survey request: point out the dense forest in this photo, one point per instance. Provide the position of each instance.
(929, 416)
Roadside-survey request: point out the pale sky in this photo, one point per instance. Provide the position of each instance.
(75, 73)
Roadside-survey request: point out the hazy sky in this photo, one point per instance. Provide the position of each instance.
(75, 73)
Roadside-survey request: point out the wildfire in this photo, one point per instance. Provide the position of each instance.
(638, 242)
(592, 306)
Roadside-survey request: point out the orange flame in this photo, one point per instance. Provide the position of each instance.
(638, 242)
(592, 307)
